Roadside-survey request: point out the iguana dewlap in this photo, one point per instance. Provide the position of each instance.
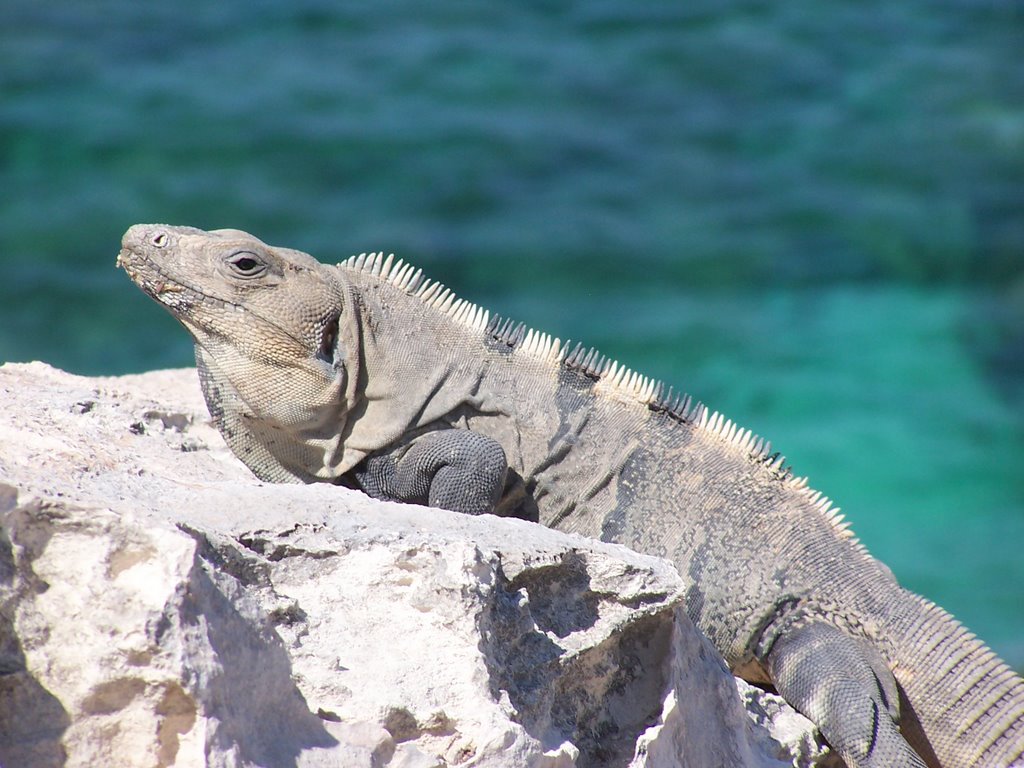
(369, 375)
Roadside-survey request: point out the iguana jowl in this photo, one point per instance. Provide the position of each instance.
(369, 375)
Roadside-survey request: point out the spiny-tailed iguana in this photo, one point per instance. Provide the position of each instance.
(369, 375)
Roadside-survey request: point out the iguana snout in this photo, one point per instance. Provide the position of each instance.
(140, 257)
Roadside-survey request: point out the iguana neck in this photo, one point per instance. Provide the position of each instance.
(282, 422)
(413, 370)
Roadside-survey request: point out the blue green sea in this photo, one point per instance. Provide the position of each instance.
(808, 214)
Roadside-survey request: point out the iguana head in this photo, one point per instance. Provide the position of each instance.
(271, 328)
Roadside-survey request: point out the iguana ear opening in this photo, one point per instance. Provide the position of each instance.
(329, 351)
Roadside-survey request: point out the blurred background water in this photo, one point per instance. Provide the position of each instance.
(810, 214)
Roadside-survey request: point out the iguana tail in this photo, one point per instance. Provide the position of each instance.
(961, 706)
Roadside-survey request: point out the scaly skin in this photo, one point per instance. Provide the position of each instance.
(367, 375)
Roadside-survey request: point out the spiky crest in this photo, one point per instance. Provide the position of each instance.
(610, 378)
(505, 331)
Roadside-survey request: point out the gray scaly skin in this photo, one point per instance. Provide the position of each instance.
(365, 374)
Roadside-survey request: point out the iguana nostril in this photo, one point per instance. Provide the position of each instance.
(158, 239)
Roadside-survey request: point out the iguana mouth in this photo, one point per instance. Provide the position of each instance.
(147, 274)
(155, 287)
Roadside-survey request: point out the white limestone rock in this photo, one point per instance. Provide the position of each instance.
(160, 606)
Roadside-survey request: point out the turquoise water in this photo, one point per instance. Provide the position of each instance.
(810, 216)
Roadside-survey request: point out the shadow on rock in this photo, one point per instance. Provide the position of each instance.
(263, 718)
(599, 694)
(32, 720)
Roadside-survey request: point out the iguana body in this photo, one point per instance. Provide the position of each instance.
(368, 375)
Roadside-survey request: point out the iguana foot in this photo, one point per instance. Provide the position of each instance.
(844, 686)
(452, 469)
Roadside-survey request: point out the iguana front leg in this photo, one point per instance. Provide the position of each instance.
(452, 469)
(845, 687)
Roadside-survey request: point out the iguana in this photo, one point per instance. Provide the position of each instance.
(368, 375)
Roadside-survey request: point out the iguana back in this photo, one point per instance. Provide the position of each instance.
(368, 374)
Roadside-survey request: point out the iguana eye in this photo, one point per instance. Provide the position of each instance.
(246, 264)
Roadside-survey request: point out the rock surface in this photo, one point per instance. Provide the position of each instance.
(160, 606)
